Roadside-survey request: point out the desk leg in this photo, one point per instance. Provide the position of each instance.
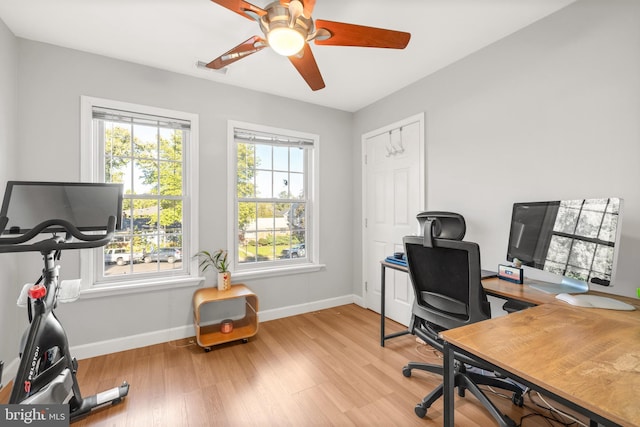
(449, 385)
(382, 298)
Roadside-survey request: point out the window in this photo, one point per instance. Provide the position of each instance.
(274, 199)
(149, 151)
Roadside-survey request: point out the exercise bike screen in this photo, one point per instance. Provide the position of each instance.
(85, 205)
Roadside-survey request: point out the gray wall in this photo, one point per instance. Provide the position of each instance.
(9, 284)
(551, 112)
(52, 79)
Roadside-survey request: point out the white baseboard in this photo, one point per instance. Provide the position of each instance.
(130, 342)
(156, 337)
(358, 300)
(292, 310)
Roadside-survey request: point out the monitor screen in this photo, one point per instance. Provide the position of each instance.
(575, 239)
(85, 205)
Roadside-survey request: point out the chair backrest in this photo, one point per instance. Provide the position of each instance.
(446, 279)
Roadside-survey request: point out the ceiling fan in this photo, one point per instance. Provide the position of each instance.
(288, 28)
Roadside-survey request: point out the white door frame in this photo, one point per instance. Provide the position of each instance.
(363, 190)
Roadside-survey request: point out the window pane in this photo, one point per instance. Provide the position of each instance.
(247, 248)
(246, 156)
(263, 156)
(117, 139)
(144, 215)
(246, 217)
(296, 186)
(281, 185)
(145, 177)
(296, 218)
(145, 141)
(264, 184)
(171, 182)
(118, 170)
(281, 158)
(171, 218)
(296, 162)
(171, 144)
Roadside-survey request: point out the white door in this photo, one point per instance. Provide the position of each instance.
(393, 189)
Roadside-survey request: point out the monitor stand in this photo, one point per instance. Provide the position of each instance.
(567, 286)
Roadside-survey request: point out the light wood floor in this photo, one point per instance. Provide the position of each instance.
(321, 368)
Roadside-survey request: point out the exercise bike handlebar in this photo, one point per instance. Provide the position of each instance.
(85, 241)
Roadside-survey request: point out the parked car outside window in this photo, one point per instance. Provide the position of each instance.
(120, 256)
(297, 251)
(169, 255)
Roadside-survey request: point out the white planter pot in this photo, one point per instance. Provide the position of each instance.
(224, 281)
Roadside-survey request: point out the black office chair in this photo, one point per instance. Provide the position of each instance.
(445, 273)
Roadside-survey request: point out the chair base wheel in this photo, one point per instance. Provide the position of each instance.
(421, 411)
(518, 399)
(406, 372)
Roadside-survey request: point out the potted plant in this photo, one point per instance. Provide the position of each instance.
(217, 261)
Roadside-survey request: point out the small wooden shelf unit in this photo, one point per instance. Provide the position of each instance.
(243, 329)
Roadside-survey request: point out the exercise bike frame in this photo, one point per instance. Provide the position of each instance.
(47, 371)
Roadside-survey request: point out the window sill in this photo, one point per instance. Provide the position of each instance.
(276, 271)
(111, 289)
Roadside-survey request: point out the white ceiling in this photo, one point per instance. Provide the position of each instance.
(175, 34)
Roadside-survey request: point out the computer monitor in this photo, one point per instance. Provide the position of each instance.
(87, 206)
(576, 241)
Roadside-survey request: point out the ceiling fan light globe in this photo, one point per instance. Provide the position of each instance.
(285, 41)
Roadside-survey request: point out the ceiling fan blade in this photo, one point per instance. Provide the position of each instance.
(358, 35)
(241, 7)
(308, 7)
(253, 45)
(308, 68)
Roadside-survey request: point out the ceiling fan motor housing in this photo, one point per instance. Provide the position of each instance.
(279, 16)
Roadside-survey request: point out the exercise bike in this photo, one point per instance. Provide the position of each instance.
(47, 371)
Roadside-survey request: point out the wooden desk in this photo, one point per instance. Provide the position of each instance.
(513, 291)
(585, 358)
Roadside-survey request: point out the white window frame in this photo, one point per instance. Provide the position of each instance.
(90, 157)
(313, 234)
